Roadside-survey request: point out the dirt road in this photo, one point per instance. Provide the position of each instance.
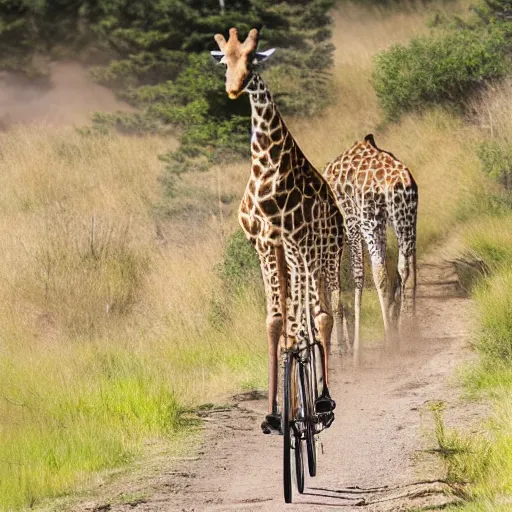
(376, 455)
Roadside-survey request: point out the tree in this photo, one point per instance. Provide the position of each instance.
(154, 54)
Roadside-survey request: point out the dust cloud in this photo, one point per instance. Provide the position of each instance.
(69, 99)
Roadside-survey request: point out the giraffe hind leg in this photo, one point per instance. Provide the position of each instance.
(403, 219)
(357, 267)
(375, 238)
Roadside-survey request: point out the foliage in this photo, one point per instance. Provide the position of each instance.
(155, 56)
(450, 64)
(240, 274)
(241, 265)
(440, 69)
(494, 11)
(496, 158)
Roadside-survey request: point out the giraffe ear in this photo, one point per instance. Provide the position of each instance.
(263, 56)
(217, 56)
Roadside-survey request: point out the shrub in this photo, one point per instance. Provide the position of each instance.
(442, 69)
(241, 265)
(496, 158)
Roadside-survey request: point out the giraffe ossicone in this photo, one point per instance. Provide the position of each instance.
(289, 214)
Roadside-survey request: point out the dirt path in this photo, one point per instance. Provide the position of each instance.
(376, 454)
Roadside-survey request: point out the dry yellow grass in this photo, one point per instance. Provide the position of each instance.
(493, 110)
(106, 308)
(106, 329)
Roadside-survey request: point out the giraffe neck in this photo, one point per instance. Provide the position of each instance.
(271, 141)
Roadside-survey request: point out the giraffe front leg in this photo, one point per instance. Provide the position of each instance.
(275, 327)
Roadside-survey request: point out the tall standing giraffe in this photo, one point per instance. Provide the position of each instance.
(289, 214)
(373, 187)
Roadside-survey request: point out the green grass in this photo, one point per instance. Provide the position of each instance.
(106, 336)
(480, 463)
(90, 405)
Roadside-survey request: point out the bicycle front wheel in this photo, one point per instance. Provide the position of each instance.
(299, 464)
(286, 428)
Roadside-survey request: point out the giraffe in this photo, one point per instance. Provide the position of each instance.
(373, 187)
(289, 214)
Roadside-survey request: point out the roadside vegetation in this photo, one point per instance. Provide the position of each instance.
(109, 329)
(465, 66)
(128, 297)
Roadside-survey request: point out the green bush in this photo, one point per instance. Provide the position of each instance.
(240, 275)
(241, 266)
(441, 69)
(496, 158)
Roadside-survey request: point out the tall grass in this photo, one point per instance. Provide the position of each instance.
(106, 336)
(483, 461)
(480, 463)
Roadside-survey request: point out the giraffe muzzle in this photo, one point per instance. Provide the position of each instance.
(233, 95)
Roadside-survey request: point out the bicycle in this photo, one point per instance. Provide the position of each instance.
(299, 421)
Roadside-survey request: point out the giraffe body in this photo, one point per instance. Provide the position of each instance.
(290, 215)
(288, 203)
(374, 188)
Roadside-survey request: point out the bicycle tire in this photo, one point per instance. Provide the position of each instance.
(311, 449)
(286, 428)
(299, 464)
(309, 414)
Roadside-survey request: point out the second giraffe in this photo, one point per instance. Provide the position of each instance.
(372, 188)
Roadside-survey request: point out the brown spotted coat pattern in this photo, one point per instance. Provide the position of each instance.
(374, 188)
(288, 203)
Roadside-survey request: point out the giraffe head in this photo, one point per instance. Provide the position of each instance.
(239, 59)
